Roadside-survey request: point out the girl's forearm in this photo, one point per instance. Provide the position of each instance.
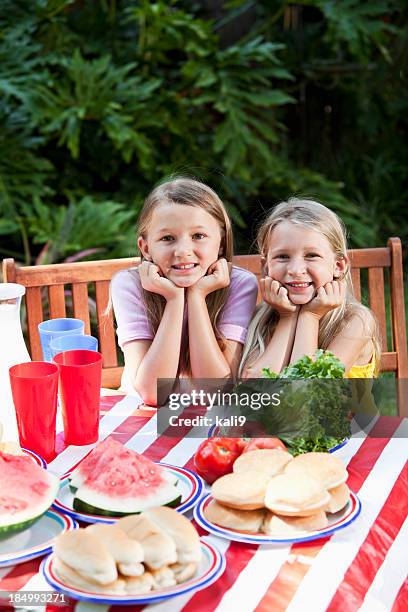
(162, 358)
(306, 337)
(277, 353)
(206, 357)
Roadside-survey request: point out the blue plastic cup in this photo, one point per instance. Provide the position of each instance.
(73, 343)
(54, 328)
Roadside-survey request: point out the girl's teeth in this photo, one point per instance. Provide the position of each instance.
(186, 267)
(299, 284)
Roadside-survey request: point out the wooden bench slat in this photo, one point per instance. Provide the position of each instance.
(34, 317)
(86, 271)
(398, 316)
(377, 301)
(355, 277)
(81, 304)
(249, 262)
(388, 362)
(111, 376)
(107, 340)
(56, 298)
(379, 257)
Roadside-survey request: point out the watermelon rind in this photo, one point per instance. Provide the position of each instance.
(90, 501)
(10, 530)
(10, 524)
(84, 508)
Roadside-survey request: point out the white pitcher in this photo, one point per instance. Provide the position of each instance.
(12, 351)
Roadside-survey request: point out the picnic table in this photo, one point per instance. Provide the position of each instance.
(362, 567)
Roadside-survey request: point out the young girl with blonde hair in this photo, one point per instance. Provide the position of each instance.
(183, 311)
(308, 300)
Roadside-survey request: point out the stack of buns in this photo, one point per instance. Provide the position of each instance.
(271, 492)
(11, 448)
(139, 553)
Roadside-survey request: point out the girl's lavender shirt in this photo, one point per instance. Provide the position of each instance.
(133, 323)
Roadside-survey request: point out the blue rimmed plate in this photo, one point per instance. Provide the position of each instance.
(211, 567)
(35, 457)
(189, 484)
(215, 431)
(35, 541)
(337, 521)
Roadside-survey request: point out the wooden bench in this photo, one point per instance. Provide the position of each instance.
(50, 287)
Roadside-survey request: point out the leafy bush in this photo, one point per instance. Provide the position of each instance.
(100, 100)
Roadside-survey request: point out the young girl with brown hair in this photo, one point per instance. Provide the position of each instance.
(184, 311)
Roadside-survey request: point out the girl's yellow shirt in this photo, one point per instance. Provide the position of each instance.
(362, 398)
(366, 370)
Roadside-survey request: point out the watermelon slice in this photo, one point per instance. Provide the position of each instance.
(124, 482)
(26, 493)
(94, 462)
(101, 456)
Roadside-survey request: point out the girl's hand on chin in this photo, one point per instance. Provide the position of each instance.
(217, 277)
(328, 297)
(153, 280)
(274, 294)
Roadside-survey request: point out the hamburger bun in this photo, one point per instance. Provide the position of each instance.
(281, 525)
(296, 494)
(74, 579)
(11, 448)
(180, 529)
(127, 553)
(231, 518)
(244, 491)
(159, 548)
(183, 571)
(163, 577)
(339, 497)
(266, 460)
(324, 466)
(83, 552)
(139, 585)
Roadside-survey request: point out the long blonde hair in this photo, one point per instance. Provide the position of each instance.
(187, 192)
(315, 216)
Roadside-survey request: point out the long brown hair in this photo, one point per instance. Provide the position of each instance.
(315, 216)
(187, 192)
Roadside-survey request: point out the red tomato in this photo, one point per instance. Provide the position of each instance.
(215, 457)
(257, 443)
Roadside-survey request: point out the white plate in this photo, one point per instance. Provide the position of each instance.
(35, 541)
(189, 484)
(210, 569)
(35, 457)
(337, 521)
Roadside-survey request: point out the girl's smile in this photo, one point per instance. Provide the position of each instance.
(302, 260)
(183, 241)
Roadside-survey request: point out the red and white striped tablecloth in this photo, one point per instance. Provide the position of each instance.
(363, 567)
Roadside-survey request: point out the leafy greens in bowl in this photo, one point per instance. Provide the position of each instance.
(314, 404)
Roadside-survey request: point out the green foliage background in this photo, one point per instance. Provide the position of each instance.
(262, 99)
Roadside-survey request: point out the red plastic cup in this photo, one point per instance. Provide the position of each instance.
(34, 386)
(80, 387)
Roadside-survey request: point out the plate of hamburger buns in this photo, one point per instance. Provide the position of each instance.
(141, 559)
(272, 497)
